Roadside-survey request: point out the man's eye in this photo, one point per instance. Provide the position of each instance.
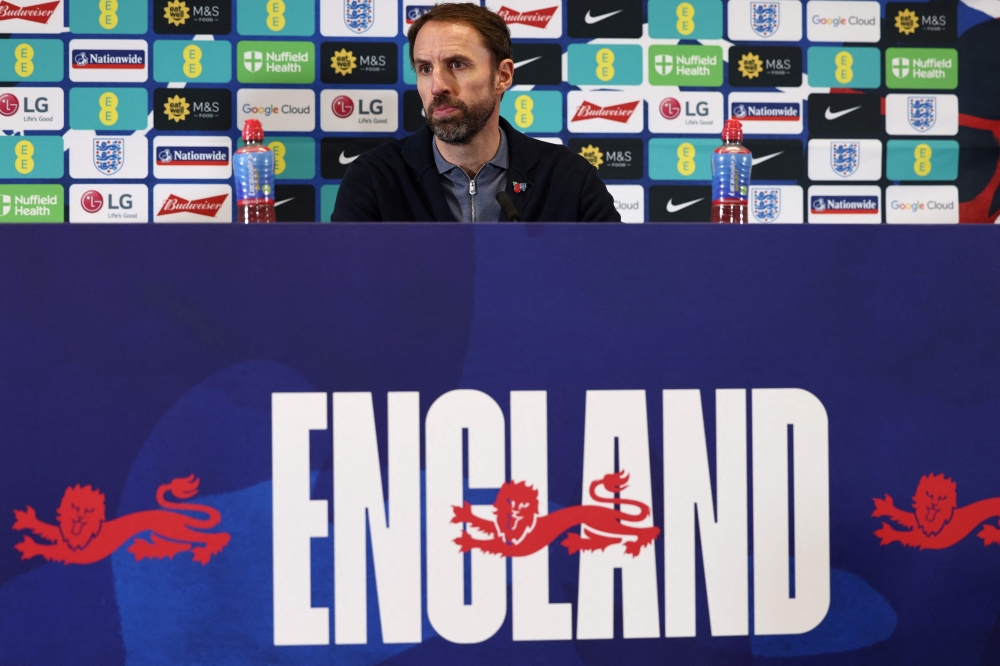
(458, 65)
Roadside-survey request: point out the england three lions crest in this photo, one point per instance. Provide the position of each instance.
(765, 17)
(765, 203)
(359, 15)
(845, 157)
(921, 112)
(109, 155)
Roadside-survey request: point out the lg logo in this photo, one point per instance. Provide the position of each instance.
(343, 107)
(670, 109)
(92, 201)
(9, 104)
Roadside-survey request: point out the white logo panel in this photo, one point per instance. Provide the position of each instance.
(24, 108)
(845, 204)
(776, 21)
(192, 157)
(107, 157)
(921, 204)
(845, 159)
(687, 113)
(359, 110)
(277, 109)
(630, 202)
(604, 112)
(853, 21)
(38, 17)
(921, 114)
(530, 19)
(100, 202)
(113, 60)
(367, 18)
(767, 113)
(204, 202)
(775, 204)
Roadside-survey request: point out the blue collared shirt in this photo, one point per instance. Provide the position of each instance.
(474, 199)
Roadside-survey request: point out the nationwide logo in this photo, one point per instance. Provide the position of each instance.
(619, 113)
(206, 207)
(593, 155)
(413, 12)
(769, 111)
(83, 535)
(843, 204)
(343, 62)
(109, 155)
(117, 59)
(176, 12)
(750, 65)
(40, 13)
(192, 156)
(176, 108)
(536, 18)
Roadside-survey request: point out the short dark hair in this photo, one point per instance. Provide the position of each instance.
(492, 28)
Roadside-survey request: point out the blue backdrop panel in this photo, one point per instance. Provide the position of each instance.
(129, 358)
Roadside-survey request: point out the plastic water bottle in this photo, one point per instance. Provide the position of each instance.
(253, 167)
(731, 176)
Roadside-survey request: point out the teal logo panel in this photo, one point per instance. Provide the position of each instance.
(276, 18)
(685, 19)
(600, 64)
(844, 67)
(533, 111)
(103, 108)
(681, 159)
(108, 17)
(185, 61)
(31, 157)
(32, 60)
(921, 160)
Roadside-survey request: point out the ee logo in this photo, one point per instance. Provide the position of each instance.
(109, 14)
(605, 64)
(279, 151)
(109, 105)
(685, 159)
(922, 162)
(23, 66)
(685, 18)
(275, 15)
(843, 61)
(22, 157)
(523, 106)
(192, 61)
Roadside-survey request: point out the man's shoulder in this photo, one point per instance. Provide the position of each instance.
(551, 155)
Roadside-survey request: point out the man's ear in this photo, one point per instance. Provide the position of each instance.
(504, 76)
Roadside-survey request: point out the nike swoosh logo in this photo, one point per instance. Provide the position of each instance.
(830, 115)
(672, 208)
(760, 160)
(344, 159)
(283, 201)
(525, 62)
(591, 20)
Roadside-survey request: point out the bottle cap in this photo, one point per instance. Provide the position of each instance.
(732, 131)
(252, 131)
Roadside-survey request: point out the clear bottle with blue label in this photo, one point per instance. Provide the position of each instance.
(253, 167)
(731, 164)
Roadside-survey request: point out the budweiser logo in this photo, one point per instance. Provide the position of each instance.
(208, 206)
(620, 113)
(536, 18)
(35, 13)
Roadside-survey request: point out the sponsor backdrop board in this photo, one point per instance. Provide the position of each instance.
(872, 79)
(206, 484)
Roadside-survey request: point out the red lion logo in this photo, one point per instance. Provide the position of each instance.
(937, 521)
(84, 537)
(518, 530)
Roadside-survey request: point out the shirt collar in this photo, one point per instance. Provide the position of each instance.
(501, 160)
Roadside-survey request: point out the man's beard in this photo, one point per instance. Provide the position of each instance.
(463, 126)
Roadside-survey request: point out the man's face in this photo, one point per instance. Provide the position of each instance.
(455, 79)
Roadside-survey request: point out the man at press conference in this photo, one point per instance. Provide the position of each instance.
(467, 163)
